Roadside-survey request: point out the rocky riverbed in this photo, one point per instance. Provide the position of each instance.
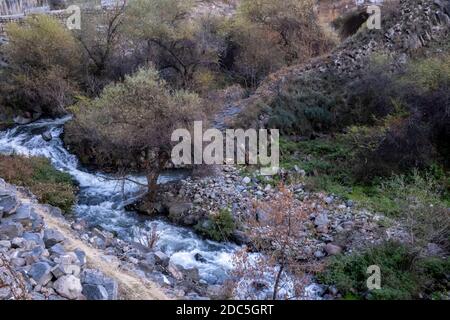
(335, 225)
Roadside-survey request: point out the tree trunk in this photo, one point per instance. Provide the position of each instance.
(277, 282)
(152, 176)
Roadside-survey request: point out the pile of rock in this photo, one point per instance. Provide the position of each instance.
(334, 226)
(37, 253)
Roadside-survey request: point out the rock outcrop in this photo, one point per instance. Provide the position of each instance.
(408, 27)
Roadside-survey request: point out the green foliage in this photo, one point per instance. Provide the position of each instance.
(218, 227)
(403, 275)
(43, 68)
(319, 157)
(429, 74)
(48, 184)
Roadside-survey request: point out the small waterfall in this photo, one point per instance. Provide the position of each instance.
(11, 7)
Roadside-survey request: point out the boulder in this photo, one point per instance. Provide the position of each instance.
(161, 258)
(10, 230)
(246, 180)
(52, 237)
(240, 237)
(175, 271)
(81, 255)
(215, 291)
(179, 209)
(41, 273)
(22, 120)
(66, 269)
(47, 136)
(25, 215)
(321, 220)
(5, 293)
(95, 277)
(33, 237)
(69, 287)
(198, 257)
(57, 250)
(333, 249)
(8, 203)
(35, 255)
(95, 292)
(5, 244)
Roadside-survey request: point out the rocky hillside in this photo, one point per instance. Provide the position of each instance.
(407, 27)
(43, 258)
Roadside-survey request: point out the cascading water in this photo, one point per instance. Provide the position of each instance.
(101, 203)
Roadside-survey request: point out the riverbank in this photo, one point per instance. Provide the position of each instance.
(43, 258)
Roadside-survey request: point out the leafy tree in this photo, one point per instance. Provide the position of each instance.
(43, 65)
(129, 126)
(170, 37)
(272, 33)
(104, 47)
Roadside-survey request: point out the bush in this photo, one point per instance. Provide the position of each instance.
(403, 275)
(266, 35)
(218, 227)
(179, 43)
(43, 66)
(48, 184)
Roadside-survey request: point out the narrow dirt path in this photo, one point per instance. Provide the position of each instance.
(131, 286)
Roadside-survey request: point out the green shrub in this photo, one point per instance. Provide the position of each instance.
(218, 227)
(48, 184)
(44, 66)
(305, 106)
(403, 275)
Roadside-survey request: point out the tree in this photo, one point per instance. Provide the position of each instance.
(269, 34)
(129, 126)
(43, 66)
(275, 230)
(171, 37)
(104, 46)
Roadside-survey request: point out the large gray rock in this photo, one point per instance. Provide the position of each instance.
(52, 237)
(41, 273)
(179, 209)
(95, 292)
(66, 269)
(10, 230)
(81, 255)
(5, 293)
(161, 258)
(25, 215)
(22, 120)
(69, 287)
(57, 250)
(95, 277)
(35, 255)
(8, 203)
(47, 136)
(5, 244)
(321, 220)
(33, 237)
(333, 249)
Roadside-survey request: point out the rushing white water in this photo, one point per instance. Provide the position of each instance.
(101, 203)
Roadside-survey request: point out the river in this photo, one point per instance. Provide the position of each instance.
(101, 203)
